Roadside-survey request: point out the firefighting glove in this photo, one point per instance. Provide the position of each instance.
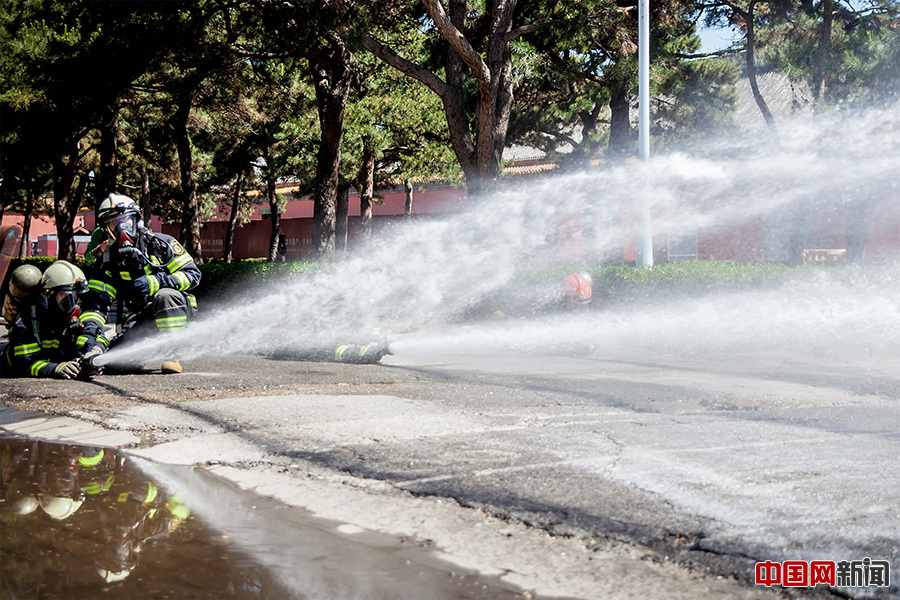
(168, 281)
(131, 257)
(94, 352)
(144, 287)
(67, 370)
(88, 370)
(148, 285)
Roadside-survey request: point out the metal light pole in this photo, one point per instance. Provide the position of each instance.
(646, 254)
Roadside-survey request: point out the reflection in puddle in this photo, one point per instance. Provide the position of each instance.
(81, 522)
(78, 522)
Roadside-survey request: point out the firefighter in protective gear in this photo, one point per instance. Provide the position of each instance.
(24, 285)
(132, 519)
(572, 292)
(146, 276)
(575, 290)
(43, 339)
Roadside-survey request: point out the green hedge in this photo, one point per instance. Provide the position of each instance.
(692, 276)
(219, 277)
(667, 280)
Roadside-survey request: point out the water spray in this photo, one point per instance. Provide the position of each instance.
(427, 275)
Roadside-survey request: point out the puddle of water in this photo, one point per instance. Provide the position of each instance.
(81, 522)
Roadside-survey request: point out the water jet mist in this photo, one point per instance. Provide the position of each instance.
(425, 274)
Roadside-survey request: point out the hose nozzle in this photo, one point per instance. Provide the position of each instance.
(90, 366)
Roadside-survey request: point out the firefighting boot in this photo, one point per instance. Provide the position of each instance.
(368, 354)
(171, 366)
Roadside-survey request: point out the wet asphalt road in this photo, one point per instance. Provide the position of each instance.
(710, 463)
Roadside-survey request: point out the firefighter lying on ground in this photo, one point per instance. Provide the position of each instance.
(43, 315)
(572, 293)
(146, 277)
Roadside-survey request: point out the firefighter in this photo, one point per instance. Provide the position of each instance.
(575, 290)
(43, 338)
(130, 520)
(146, 277)
(58, 478)
(24, 286)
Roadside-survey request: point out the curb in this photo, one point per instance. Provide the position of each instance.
(30, 424)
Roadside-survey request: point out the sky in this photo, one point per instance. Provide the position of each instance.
(713, 39)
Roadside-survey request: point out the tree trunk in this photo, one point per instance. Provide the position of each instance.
(751, 70)
(232, 218)
(273, 208)
(493, 76)
(190, 208)
(619, 121)
(583, 152)
(146, 205)
(366, 193)
(331, 77)
(796, 234)
(823, 50)
(341, 224)
(64, 205)
(454, 103)
(30, 196)
(78, 196)
(479, 156)
(407, 206)
(491, 138)
(855, 233)
(109, 139)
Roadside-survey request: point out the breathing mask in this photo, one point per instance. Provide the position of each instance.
(123, 229)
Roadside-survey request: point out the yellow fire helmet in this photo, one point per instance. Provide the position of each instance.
(63, 275)
(60, 508)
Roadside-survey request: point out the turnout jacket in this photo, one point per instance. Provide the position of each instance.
(132, 276)
(37, 344)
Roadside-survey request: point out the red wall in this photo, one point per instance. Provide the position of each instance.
(883, 231)
(745, 242)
